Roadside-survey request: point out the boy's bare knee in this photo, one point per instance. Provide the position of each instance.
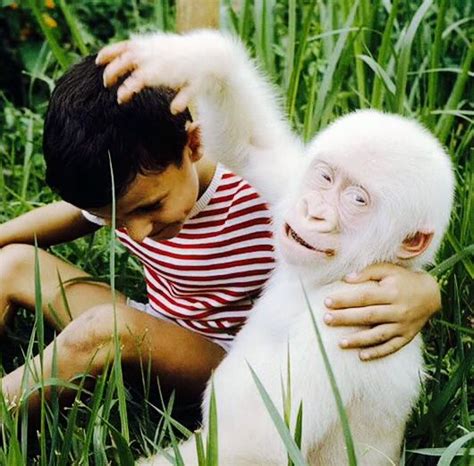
(15, 259)
(92, 333)
(89, 334)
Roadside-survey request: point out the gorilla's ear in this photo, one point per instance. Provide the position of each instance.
(414, 245)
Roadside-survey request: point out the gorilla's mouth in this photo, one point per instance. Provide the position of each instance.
(293, 235)
(298, 239)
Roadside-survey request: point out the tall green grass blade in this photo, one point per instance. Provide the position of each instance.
(66, 451)
(201, 454)
(436, 451)
(9, 428)
(50, 382)
(245, 21)
(125, 457)
(73, 27)
(460, 329)
(212, 450)
(98, 442)
(117, 367)
(290, 445)
(442, 401)
(380, 73)
(468, 265)
(451, 451)
(178, 459)
(286, 392)
(264, 34)
(291, 44)
(232, 16)
(299, 425)
(331, 68)
(27, 156)
(452, 261)
(358, 47)
(298, 66)
(433, 78)
(53, 423)
(405, 55)
(58, 52)
(445, 123)
(97, 399)
(39, 325)
(64, 299)
(162, 15)
(382, 57)
(351, 456)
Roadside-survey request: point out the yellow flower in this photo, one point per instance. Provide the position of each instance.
(49, 21)
(49, 4)
(14, 6)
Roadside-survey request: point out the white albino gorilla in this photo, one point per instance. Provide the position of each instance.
(372, 188)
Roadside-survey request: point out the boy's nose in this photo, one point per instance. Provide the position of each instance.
(138, 230)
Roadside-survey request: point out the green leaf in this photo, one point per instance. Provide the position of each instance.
(437, 451)
(290, 445)
(212, 435)
(73, 27)
(405, 54)
(452, 261)
(379, 72)
(351, 456)
(53, 43)
(448, 456)
(124, 454)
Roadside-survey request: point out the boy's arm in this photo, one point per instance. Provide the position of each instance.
(241, 122)
(54, 223)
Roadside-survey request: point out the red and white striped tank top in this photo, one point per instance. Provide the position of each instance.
(206, 278)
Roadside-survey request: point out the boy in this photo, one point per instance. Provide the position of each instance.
(201, 232)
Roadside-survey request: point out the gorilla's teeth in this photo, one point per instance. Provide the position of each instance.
(300, 240)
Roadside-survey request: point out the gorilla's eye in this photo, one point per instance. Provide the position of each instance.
(357, 196)
(324, 174)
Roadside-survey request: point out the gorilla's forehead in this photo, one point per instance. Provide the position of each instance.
(361, 165)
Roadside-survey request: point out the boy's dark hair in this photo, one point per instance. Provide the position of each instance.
(84, 124)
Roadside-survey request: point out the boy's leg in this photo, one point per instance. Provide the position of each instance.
(17, 286)
(180, 358)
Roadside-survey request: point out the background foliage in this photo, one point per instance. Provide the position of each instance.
(327, 58)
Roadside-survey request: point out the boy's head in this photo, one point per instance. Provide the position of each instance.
(85, 126)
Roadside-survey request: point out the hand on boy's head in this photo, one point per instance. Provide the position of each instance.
(130, 57)
(396, 303)
(119, 61)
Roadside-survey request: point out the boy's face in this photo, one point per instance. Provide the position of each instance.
(157, 204)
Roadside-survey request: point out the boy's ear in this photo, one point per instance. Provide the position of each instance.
(194, 143)
(414, 245)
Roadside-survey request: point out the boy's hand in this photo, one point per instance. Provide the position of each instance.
(395, 302)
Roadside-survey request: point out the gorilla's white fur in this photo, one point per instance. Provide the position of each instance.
(410, 182)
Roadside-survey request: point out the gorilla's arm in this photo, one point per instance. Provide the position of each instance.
(241, 122)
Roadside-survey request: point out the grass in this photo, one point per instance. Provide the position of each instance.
(326, 58)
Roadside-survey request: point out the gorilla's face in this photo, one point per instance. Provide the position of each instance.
(331, 211)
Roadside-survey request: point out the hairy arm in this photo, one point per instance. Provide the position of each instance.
(54, 223)
(241, 122)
